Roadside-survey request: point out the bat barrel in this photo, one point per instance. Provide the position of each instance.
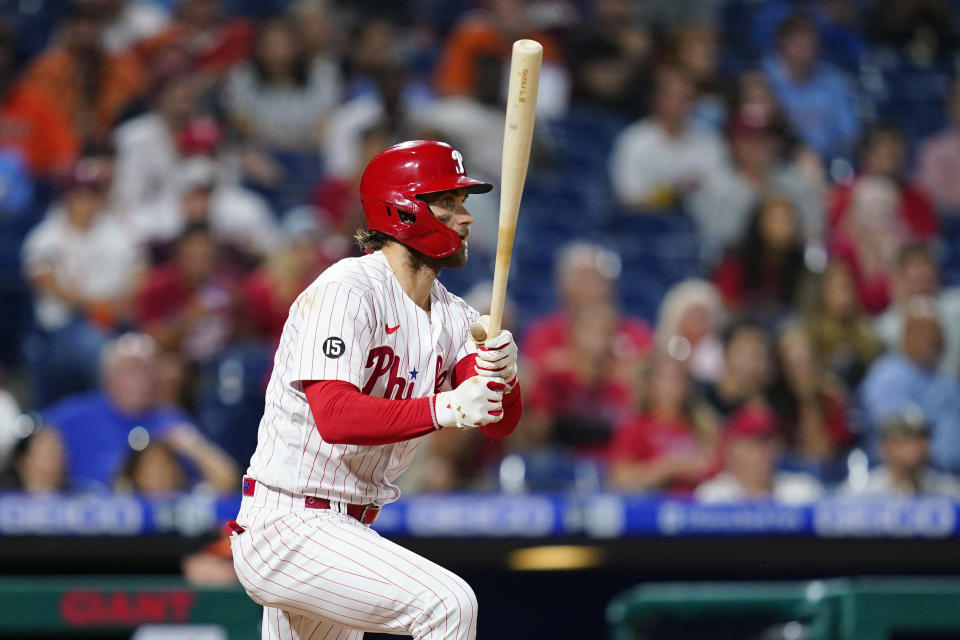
(525, 65)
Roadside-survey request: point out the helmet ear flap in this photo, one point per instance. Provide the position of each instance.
(405, 217)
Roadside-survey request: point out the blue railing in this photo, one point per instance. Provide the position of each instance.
(598, 516)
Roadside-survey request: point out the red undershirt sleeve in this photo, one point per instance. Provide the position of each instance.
(512, 402)
(346, 416)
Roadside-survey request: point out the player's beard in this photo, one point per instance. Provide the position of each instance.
(455, 260)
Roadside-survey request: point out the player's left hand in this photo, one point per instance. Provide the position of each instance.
(497, 357)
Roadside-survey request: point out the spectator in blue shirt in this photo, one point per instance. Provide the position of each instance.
(815, 95)
(101, 429)
(909, 377)
(838, 25)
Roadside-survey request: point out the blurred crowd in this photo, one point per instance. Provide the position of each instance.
(745, 209)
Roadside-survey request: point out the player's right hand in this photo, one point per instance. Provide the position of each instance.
(476, 402)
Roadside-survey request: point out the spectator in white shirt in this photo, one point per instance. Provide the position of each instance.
(147, 145)
(127, 22)
(389, 107)
(905, 449)
(662, 161)
(751, 447)
(766, 160)
(688, 327)
(10, 425)
(83, 266)
(238, 217)
(280, 99)
(80, 261)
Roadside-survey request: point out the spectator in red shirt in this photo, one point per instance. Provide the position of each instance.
(186, 304)
(884, 154)
(581, 388)
(811, 406)
(586, 274)
(670, 443)
(762, 277)
(869, 240)
(268, 292)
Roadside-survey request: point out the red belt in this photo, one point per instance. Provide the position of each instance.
(364, 513)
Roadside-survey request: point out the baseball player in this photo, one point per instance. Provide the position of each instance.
(358, 379)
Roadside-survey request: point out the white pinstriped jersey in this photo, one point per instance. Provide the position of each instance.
(354, 323)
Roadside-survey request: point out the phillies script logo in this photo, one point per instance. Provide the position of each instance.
(441, 376)
(385, 363)
(94, 607)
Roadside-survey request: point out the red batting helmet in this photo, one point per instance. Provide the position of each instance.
(393, 180)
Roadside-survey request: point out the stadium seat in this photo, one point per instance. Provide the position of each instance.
(894, 88)
(231, 397)
(548, 470)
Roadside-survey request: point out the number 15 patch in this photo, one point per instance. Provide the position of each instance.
(333, 347)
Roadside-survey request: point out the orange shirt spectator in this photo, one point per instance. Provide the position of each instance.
(482, 35)
(60, 75)
(32, 123)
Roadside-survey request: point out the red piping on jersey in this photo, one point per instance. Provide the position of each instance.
(346, 416)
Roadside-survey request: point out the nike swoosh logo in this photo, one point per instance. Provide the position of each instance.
(391, 329)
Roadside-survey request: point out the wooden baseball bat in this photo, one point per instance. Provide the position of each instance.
(517, 137)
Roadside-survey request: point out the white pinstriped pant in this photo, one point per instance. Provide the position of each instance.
(321, 575)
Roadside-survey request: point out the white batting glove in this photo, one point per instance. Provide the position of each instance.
(497, 358)
(476, 402)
